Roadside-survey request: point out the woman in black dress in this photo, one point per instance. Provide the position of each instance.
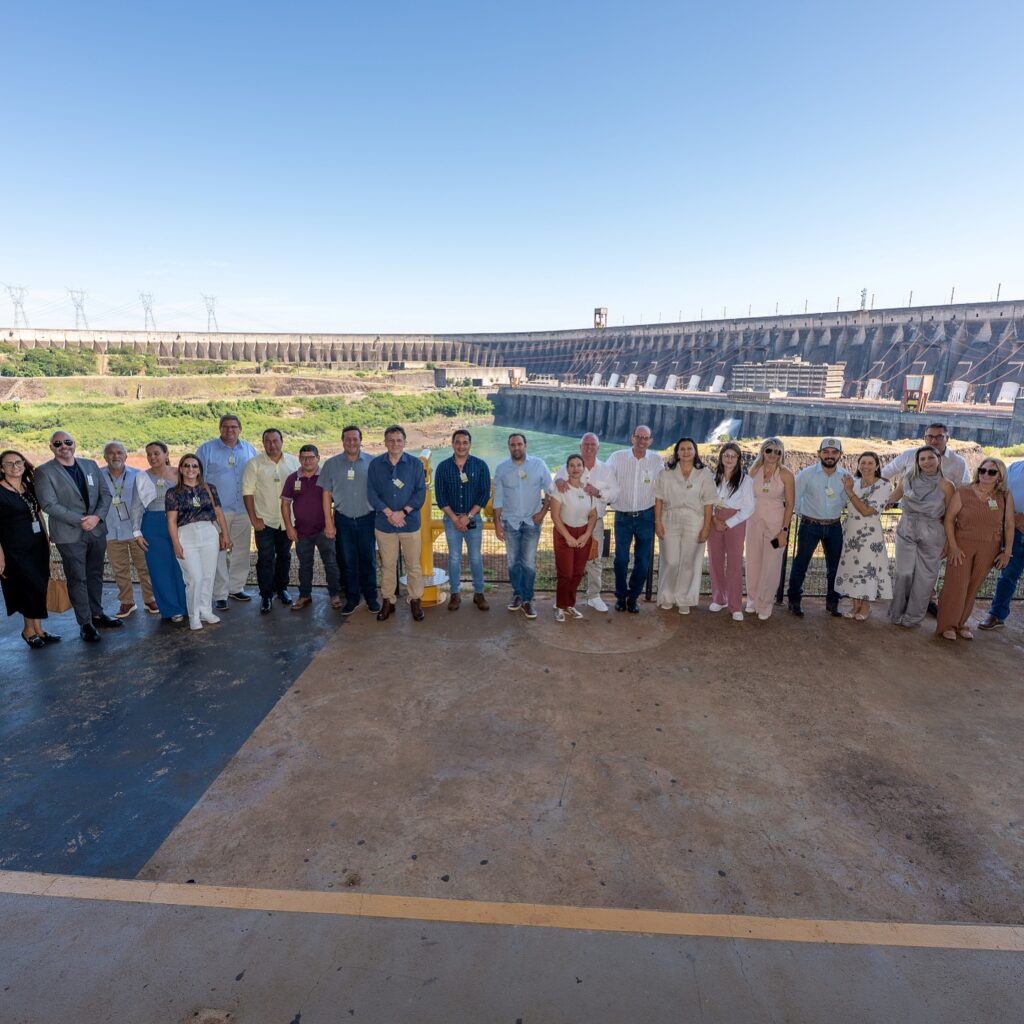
(24, 549)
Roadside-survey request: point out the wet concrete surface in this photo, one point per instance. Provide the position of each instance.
(105, 747)
(112, 962)
(816, 768)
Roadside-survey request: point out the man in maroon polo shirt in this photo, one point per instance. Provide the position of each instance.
(302, 509)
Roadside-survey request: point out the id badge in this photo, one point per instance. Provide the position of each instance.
(463, 478)
(993, 504)
(88, 479)
(399, 484)
(298, 486)
(829, 493)
(351, 474)
(522, 474)
(122, 512)
(196, 503)
(36, 528)
(231, 460)
(647, 479)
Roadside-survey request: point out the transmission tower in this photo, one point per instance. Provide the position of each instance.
(147, 304)
(78, 298)
(17, 294)
(211, 313)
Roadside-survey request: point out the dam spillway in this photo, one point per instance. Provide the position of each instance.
(979, 343)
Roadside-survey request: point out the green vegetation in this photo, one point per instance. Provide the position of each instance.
(179, 424)
(126, 362)
(46, 362)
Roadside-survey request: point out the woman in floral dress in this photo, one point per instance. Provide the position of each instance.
(864, 567)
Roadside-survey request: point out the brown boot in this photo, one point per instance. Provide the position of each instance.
(417, 609)
(386, 608)
(453, 602)
(481, 602)
(302, 602)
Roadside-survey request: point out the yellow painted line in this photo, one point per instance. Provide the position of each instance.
(1002, 938)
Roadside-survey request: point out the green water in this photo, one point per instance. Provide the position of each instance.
(490, 443)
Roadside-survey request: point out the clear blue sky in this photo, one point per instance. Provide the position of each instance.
(411, 166)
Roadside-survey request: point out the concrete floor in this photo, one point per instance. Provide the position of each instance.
(817, 769)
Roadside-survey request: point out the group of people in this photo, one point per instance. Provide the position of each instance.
(187, 531)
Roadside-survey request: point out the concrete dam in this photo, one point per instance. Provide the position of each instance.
(979, 344)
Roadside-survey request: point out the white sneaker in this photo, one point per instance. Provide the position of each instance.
(684, 609)
(716, 607)
(737, 616)
(750, 609)
(764, 616)
(665, 607)
(574, 612)
(597, 604)
(211, 619)
(559, 615)
(194, 624)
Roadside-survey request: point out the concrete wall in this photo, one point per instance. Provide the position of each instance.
(979, 342)
(613, 415)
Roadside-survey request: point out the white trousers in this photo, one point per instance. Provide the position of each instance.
(682, 558)
(233, 566)
(595, 566)
(200, 543)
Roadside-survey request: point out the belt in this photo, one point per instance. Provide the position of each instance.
(632, 515)
(819, 522)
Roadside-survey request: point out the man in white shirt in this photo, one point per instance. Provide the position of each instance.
(954, 467)
(634, 471)
(599, 482)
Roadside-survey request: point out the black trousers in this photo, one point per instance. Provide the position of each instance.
(808, 537)
(83, 569)
(273, 560)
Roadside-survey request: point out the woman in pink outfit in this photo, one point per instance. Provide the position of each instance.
(733, 507)
(768, 528)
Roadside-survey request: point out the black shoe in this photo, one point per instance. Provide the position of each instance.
(632, 606)
(266, 603)
(833, 611)
(620, 604)
(89, 633)
(350, 606)
(933, 609)
(372, 605)
(221, 605)
(240, 595)
(106, 622)
(50, 638)
(796, 610)
(37, 643)
(284, 597)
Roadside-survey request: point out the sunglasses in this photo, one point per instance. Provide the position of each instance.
(988, 472)
(67, 444)
(772, 451)
(189, 465)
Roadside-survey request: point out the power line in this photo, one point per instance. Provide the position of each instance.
(17, 294)
(147, 304)
(78, 298)
(211, 313)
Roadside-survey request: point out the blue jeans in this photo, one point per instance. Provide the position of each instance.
(304, 548)
(473, 539)
(355, 546)
(639, 531)
(808, 537)
(1008, 579)
(521, 546)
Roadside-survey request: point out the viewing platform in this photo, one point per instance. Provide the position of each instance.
(299, 817)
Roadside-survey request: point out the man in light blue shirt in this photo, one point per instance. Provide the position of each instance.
(820, 500)
(224, 459)
(522, 489)
(1010, 576)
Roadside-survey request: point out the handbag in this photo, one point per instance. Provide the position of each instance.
(57, 599)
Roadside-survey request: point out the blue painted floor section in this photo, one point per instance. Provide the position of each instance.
(105, 747)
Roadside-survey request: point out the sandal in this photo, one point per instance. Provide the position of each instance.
(950, 634)
(966, 634)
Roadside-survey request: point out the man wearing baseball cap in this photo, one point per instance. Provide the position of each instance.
(820, 499)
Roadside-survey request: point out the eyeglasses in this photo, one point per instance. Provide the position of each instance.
(67, 444)
(988, 472)
(772, 451)
(189, 465)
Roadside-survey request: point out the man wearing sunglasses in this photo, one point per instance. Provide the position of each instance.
(76, 500)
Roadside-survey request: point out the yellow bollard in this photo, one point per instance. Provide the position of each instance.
(433, 579)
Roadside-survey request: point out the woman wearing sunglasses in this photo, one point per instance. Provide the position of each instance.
(198, 532)
(768, 528)
(979, 535)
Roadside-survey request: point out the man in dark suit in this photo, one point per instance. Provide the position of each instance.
(75, 500)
